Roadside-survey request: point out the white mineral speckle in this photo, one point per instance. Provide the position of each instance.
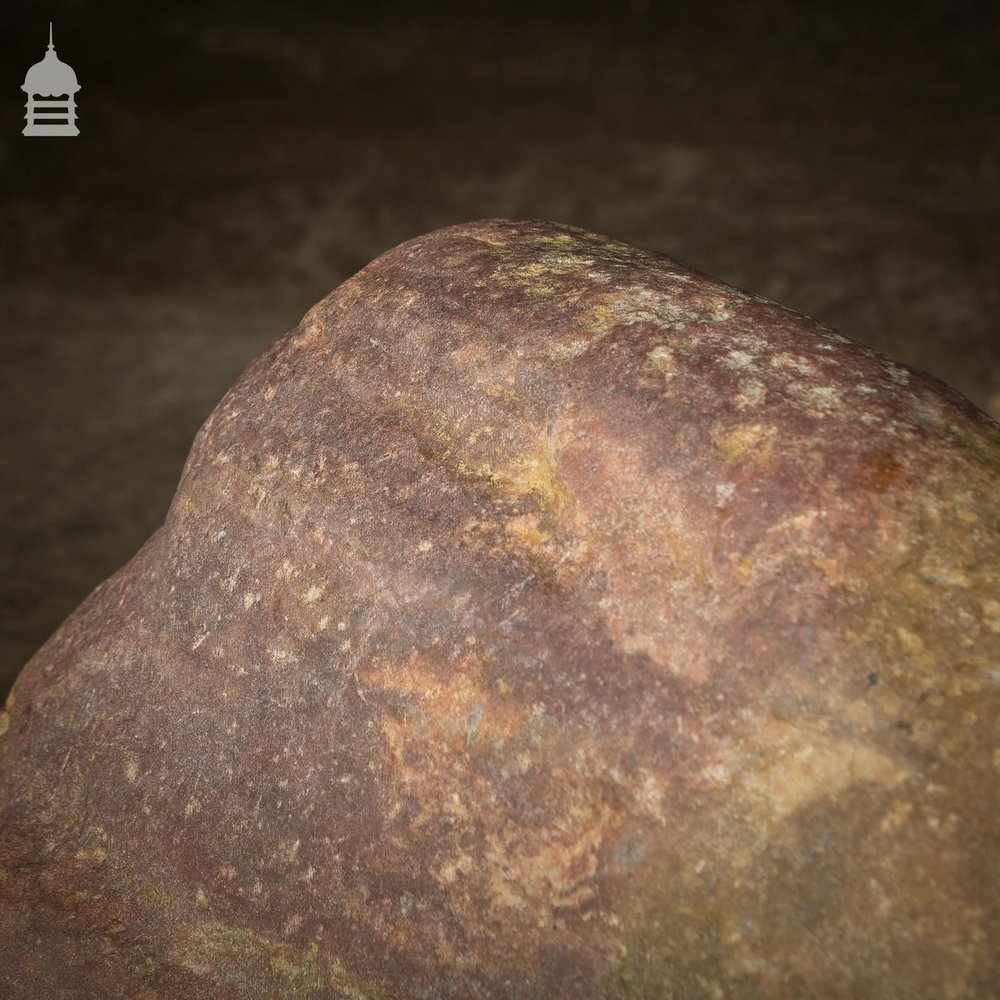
(313, 594)
(723, 493)
(662, 358)
(752, 393)
(716, 774)
(649, 794)
(825, 396)
(741, 360)
(573, 349)
(752, 342)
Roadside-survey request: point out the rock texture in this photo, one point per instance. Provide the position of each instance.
(540, 618)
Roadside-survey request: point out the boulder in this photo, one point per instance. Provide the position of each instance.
(540, 618)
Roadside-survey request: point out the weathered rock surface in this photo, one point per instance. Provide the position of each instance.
(540, 618)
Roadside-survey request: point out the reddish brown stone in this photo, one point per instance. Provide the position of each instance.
(539, 618)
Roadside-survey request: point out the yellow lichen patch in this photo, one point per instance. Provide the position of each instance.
(184, 507)
(536, 475)
(532, 474)
(910, 641)
(550, 264)
(628, 309)
(602, 318)
(502, 392)
(528, 272)
(490, 240)
(736, 443)
(527, 532)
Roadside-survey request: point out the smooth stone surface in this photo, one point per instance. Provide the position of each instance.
(539, 618)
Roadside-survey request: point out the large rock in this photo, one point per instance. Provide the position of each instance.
(540, 618)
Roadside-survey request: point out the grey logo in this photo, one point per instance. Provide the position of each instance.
(51, 88)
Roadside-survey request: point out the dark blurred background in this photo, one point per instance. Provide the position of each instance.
(238, 160)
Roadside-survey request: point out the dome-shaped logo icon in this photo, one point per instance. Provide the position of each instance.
(51, 87)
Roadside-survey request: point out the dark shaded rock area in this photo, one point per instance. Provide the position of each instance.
(538, 618)
(237, 160)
